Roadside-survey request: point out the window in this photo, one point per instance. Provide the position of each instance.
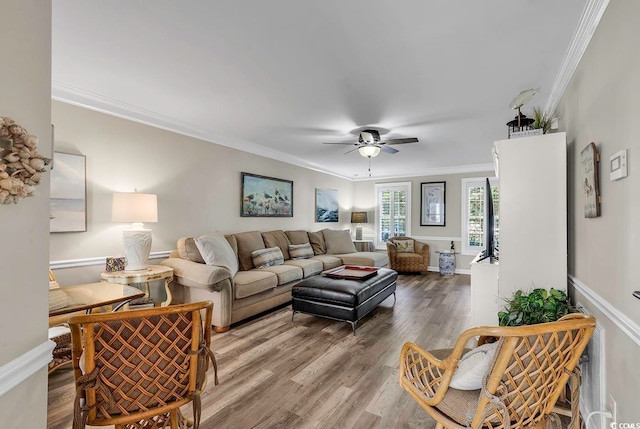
(473, 210)
(393, 210)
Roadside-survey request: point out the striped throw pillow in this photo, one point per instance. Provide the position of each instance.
(267, 257)
(300, 251)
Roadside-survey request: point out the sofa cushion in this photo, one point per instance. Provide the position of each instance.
(188, 250)
(263, 258)
(247, 243)
(367, 259)
(297, 237)
(232, 242)
(279, 239)
(216, 250)
(328, 261)
(300, 251)
(317, 242)
(247, 283)
(338, 242)
(310, 267)
(285, 273)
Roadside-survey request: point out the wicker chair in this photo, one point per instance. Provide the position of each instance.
(418, 261)
(59, 331)
(134, 369)
(529, 370)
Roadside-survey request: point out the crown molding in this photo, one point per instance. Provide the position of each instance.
(78, 97)
(456, 169)
(591, 15)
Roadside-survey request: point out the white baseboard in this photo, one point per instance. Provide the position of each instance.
(25, 365)
(625, 324)
(100, 260)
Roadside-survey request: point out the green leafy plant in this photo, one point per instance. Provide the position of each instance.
(539, 306)
(541, 119)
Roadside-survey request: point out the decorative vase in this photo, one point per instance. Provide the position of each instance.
(447, 263)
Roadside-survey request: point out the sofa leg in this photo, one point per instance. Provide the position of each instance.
(221, 329)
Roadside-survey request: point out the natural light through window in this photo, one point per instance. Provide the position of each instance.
(473, 213)
(393, 211)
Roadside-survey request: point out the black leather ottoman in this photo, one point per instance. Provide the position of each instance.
(341, 299)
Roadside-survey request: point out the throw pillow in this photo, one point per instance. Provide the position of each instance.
(188, 250)
(267, 257)
(300, 251)
(405, 246)
(338, 242)
(317, 242)
(279, 239)
(472, 367)
(216, 250)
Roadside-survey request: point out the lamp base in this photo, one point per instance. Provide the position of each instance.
(358, 233)
(137, 246)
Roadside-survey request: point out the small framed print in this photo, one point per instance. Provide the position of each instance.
(432, 204)
(589, 158)
(618, 163)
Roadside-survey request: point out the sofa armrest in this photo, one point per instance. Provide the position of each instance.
(194, 274)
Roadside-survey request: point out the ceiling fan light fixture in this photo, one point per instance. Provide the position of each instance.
(369, 151)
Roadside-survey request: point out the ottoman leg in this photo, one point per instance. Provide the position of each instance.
(394, 298)
(353, 326)
(293, 313)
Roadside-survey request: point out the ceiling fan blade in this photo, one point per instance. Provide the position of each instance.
(342, 143)
(400, 141)
(349, 151)
(388, 149)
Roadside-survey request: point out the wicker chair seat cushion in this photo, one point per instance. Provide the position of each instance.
(458, 405)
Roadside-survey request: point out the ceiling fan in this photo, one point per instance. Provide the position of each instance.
(369, 144)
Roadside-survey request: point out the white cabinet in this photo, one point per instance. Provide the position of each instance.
(532, 173)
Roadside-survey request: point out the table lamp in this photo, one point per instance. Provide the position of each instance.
(358, 218)
(136, 208)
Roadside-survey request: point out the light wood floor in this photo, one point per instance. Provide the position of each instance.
(313, 373)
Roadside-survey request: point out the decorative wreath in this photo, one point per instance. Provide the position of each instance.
(20, 162)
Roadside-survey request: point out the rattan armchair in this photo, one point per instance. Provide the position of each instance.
(416, 261)
(134, 369)
(529, 370)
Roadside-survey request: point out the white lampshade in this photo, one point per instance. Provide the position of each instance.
(136, 208)
(369, 151)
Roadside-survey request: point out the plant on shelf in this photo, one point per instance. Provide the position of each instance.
(541, 119)
(538, 306)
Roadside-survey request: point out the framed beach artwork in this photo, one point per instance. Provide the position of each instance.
(432, 207)
(264, 196)
(68, 203)
(327, 206)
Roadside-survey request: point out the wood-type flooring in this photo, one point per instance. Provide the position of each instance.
(313, 373)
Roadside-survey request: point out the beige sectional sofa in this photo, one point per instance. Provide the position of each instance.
(254, 290)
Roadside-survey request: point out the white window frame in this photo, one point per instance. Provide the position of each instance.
(472, 182)
(376, 192)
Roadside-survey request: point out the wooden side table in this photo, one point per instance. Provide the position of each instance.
(152, 273)
(364, 245)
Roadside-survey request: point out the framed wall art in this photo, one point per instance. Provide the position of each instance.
(68, 203)
(432, 203)
(589, 158)
(327, 206)
(264, 196)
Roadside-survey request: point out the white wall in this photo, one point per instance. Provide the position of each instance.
(438, 237)
(601, 105)
(25, 85)
(198, 186)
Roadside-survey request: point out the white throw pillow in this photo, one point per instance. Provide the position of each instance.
(472, 367)
(216, 250)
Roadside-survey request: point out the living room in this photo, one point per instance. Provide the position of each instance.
(597, 105)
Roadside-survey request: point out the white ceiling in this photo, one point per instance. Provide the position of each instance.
(280, 77)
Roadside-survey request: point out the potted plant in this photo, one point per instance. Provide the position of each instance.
(541, 119)
(538, 306)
